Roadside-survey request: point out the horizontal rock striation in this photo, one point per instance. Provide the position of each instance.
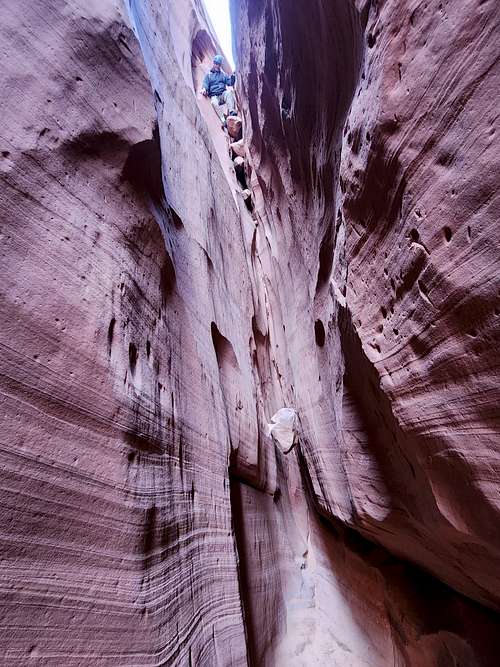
(120, 408)
(161, 302)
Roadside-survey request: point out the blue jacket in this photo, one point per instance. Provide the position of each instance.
(215, 82)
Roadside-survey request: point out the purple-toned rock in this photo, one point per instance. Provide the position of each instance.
(156, 313)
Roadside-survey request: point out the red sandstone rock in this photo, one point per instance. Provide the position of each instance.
(234, 126)
(239, 148)
(385, 287)
(420, 171)
(151, 329)
(118, 413)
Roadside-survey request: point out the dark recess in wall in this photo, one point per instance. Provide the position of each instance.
(223, 349)
(319, 333)
(142, 168)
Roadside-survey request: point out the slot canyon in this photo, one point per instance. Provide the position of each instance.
(161, 301)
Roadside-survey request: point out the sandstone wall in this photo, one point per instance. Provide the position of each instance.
(396, 386)
(117, 542)
(419, 175)
(152, 324)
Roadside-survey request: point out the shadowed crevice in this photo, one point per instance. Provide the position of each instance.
(142, 168)
(224, 351)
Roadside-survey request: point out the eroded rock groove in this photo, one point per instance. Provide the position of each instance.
(167, 289)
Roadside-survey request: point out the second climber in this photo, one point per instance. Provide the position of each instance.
(215, 86)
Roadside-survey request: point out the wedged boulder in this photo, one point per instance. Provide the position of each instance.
(234, 127)
(238, 147)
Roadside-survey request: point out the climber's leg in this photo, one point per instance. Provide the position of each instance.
(216, 106)
(229, 99)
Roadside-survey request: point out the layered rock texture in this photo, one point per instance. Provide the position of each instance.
(160, 301)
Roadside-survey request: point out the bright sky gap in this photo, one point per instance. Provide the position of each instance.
(218, 10)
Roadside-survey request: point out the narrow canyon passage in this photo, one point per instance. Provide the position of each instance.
(158, 309)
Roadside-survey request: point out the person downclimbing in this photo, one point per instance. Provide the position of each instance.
(215, 86)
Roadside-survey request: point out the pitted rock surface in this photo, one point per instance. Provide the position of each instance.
(157, 312)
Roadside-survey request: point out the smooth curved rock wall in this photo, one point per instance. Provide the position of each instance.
(420, 174)
(352, 279)
(117, 543)
(409, 450)
(152, 324)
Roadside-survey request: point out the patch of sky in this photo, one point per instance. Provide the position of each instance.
(218, 11)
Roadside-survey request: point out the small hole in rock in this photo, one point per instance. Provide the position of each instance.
(132, 357)
(371, 39)
(415, 236)
(148, 349)
(111, 330)
(447, 234)
(384, 312)
(319, 333)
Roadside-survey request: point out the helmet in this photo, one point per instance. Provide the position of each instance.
(218, 60)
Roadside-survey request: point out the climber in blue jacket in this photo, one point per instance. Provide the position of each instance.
(215, 87)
